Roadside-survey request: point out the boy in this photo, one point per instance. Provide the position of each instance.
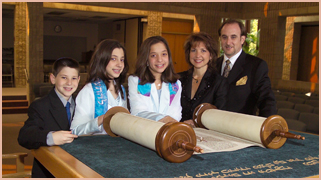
(49, 118)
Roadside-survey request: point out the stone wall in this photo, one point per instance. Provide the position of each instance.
(272, 16)
(273, 30)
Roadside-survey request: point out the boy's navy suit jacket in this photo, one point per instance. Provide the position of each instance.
(45, 115)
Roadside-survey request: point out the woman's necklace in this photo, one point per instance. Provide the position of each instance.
(196, 80)
(158, 85)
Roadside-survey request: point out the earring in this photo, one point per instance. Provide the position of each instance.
(147, 64)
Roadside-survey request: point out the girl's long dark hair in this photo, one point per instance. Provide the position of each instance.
(100, 60)
(142, 70)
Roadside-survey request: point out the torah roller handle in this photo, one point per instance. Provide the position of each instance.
(271, 132)
(173, 141)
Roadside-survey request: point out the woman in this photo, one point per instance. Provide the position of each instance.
(103, 89)
(154, 89)
(201, 83)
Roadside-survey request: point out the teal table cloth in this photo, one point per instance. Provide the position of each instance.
(116, 157)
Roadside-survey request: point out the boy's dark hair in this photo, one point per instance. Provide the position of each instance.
(194, 39)
(142, 70)
(64, 62)
(232, 21)
(99, 61)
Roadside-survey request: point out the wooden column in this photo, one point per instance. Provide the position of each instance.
(35, 49)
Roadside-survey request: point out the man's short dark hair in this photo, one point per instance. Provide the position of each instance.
(64, 62)
(232, 21)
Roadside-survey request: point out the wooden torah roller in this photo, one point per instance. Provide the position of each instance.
(175, 142)
(271, 132)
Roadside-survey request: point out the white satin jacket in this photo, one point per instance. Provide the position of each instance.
(84, 121)
(148, 105)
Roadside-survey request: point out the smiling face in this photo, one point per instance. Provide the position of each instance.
(231, 39)
(158, 59)
(199, 55)
(66, 81)
(116, 63)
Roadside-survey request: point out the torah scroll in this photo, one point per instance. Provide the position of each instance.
(271, 132)
(175, 142)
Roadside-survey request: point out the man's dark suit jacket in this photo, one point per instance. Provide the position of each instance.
(45, 115)
(212, 89)
(255, 93)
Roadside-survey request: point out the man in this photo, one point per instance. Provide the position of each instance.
(247, 75)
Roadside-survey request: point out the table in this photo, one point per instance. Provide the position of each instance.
(63, 165)
(115, 157)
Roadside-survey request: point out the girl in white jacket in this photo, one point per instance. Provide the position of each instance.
(154, 89)
(103, 88)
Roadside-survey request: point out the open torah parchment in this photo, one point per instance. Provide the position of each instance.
(212, 141)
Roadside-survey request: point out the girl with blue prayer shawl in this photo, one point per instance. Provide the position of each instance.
(154, 89)
(103, 89)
